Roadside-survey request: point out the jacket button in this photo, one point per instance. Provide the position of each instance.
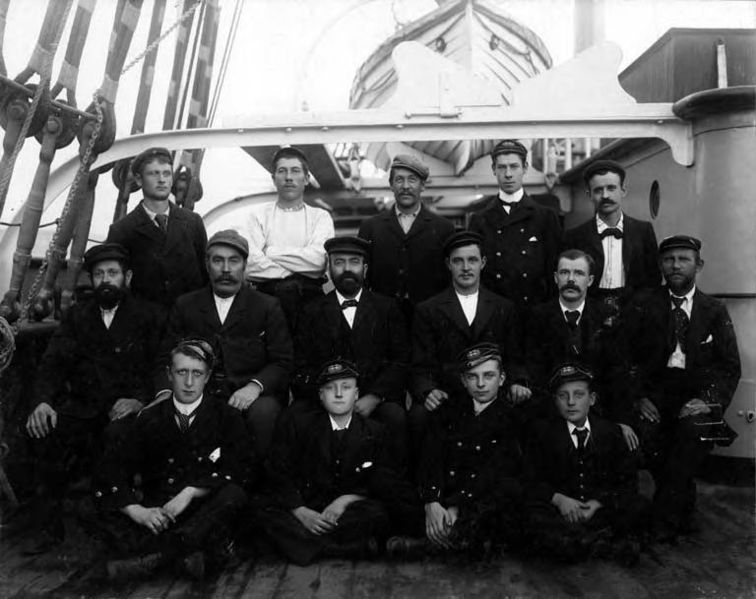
(451, 472)
(98, 494)
(522, 230)
(498, 253)
(170, 460)
(114, 490)
(118, 350)
(525, 298)
(524, 275)
(499, 231)
(523, 252)
(498, 275)
(171, 481)
(459, 443)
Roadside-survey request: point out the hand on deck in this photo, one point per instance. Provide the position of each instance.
(41, 421)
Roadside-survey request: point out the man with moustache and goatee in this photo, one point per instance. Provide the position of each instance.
(353, 323)
(574, 328)
(94, 374)
(248, 333)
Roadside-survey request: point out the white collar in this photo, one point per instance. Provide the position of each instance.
(112, 311)
(511, 197)
(336, 427)
(601, 225)
(187, 408)
(467, 297)
(571, 427)
(223, 300)
(153, 214)
(413, 214)
(342, 299)
(566, 309)
(688, 296)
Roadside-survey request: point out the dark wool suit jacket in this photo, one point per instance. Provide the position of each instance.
(551, 463)
(378, 344)
(549, 344)
(468, 459)
(712, 361)
(440, 333)
(214, 451)
(640, 255)
(520, 249)
(165, 265)
(253, 342)
(305, 467)
(87, 367)
(407, 266)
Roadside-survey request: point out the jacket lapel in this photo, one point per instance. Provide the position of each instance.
(364, 312)
(628, 234)
(483, 312)
(522, 211)
(597, 247)
(145, 226)
(450, 306)
(238, 308)
(697, 328)
(419, 225)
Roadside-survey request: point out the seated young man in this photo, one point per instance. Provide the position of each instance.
(193, 455)
(329, 471)
(581, 482)
(470, 464)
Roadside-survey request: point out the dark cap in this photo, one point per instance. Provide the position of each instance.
(230, 238)
(288, 152)
(461, 238)
(603, 166)
(105, 251)
(195, 347)
(509, 146)
(569, 372)
(348, 244)
(147, 156)
(337, 369)
(410, 163)
(680, 241)
(477, 354)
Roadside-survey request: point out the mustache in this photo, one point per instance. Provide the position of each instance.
(570, 286)
(226, 279)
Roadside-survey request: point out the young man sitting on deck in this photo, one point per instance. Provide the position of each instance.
(581, 481)
(470, 465)
(193, 455)
(330, 471)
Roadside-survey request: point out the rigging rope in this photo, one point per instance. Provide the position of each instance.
(224, 62)
(45, 75)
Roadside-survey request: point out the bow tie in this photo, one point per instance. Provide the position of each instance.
(613, 231)
(350, 303)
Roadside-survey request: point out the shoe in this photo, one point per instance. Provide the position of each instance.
(193, 566)
(121, 570)
(406, 548)
(40, 543)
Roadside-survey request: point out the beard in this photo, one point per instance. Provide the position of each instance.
(107, 296)
(348, 283)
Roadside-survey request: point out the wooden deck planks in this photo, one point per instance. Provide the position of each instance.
(718, 562)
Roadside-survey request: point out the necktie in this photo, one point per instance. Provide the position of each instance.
(582, 435)
(613, 231)
(680, 321)
(162, 221)
(572, 317)
(184, 420)
(350, 303)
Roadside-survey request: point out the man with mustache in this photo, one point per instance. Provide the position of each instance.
(575, 328)
(623, 248)
(166, 242)
(686, 353)
(366, 328)
(286, 238)
(406, 252)
(94, 373)
(247, 330)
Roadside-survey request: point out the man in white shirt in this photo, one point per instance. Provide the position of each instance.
(623, 248)
(248, 332)
(287, 257)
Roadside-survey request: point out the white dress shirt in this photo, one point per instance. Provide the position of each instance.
(336, 427)
(571, 427)
(406, 220)
(677, 357)
(510, 197)
(223, 305)
(614, 270)
(349, 313)
(469, 305)
(565, 309)
(152, 214)
(108, 315)
(186, 408)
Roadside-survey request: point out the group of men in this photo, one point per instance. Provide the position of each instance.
(434, 392)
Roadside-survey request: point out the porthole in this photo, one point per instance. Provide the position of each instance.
(654, 199)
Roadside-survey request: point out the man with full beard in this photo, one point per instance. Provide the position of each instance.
(248, 333)
(94, 373)
(366, 328)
